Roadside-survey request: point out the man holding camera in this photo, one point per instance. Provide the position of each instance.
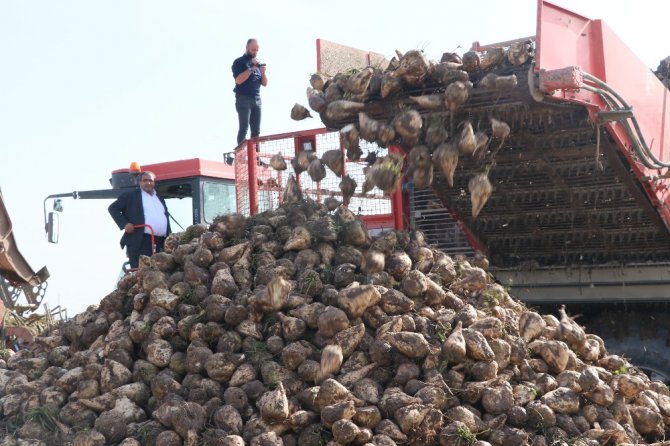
(249, 75)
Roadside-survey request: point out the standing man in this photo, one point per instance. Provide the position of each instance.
(249, 75)
(138, 207)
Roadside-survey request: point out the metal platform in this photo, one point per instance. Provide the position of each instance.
(633, 284)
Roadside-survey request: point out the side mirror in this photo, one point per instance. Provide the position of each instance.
(53, 227)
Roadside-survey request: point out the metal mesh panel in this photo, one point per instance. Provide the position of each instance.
(271, 183)
(428, 215)
(242, 180)
(374, 202)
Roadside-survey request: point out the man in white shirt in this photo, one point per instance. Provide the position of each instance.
(141, 206)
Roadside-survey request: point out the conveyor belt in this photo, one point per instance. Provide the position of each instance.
(551, 205)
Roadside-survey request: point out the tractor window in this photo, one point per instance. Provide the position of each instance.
(218, 199)
(181, 210)
(178, 196)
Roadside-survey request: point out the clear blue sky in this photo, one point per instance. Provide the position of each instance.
(87, 86)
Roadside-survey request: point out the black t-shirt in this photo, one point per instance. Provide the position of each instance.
(252, 86)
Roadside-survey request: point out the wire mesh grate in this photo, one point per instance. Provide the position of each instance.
(271, 183)
(428, 215)
(242, 180)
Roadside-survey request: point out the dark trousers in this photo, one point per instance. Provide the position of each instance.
(249, 113)
(145, 249)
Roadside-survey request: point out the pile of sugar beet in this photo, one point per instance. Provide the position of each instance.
(296, 327)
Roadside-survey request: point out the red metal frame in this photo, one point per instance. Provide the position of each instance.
(378, 221)
(193, 167)
(399, 206)
(152, 233)
(396, 219)
(253, 184)
(296, 134)
(566, 39)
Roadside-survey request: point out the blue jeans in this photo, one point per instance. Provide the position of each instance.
(249, 113)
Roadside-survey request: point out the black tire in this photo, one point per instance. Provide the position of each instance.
(639, 335)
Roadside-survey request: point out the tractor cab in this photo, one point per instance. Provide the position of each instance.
(195, 190)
